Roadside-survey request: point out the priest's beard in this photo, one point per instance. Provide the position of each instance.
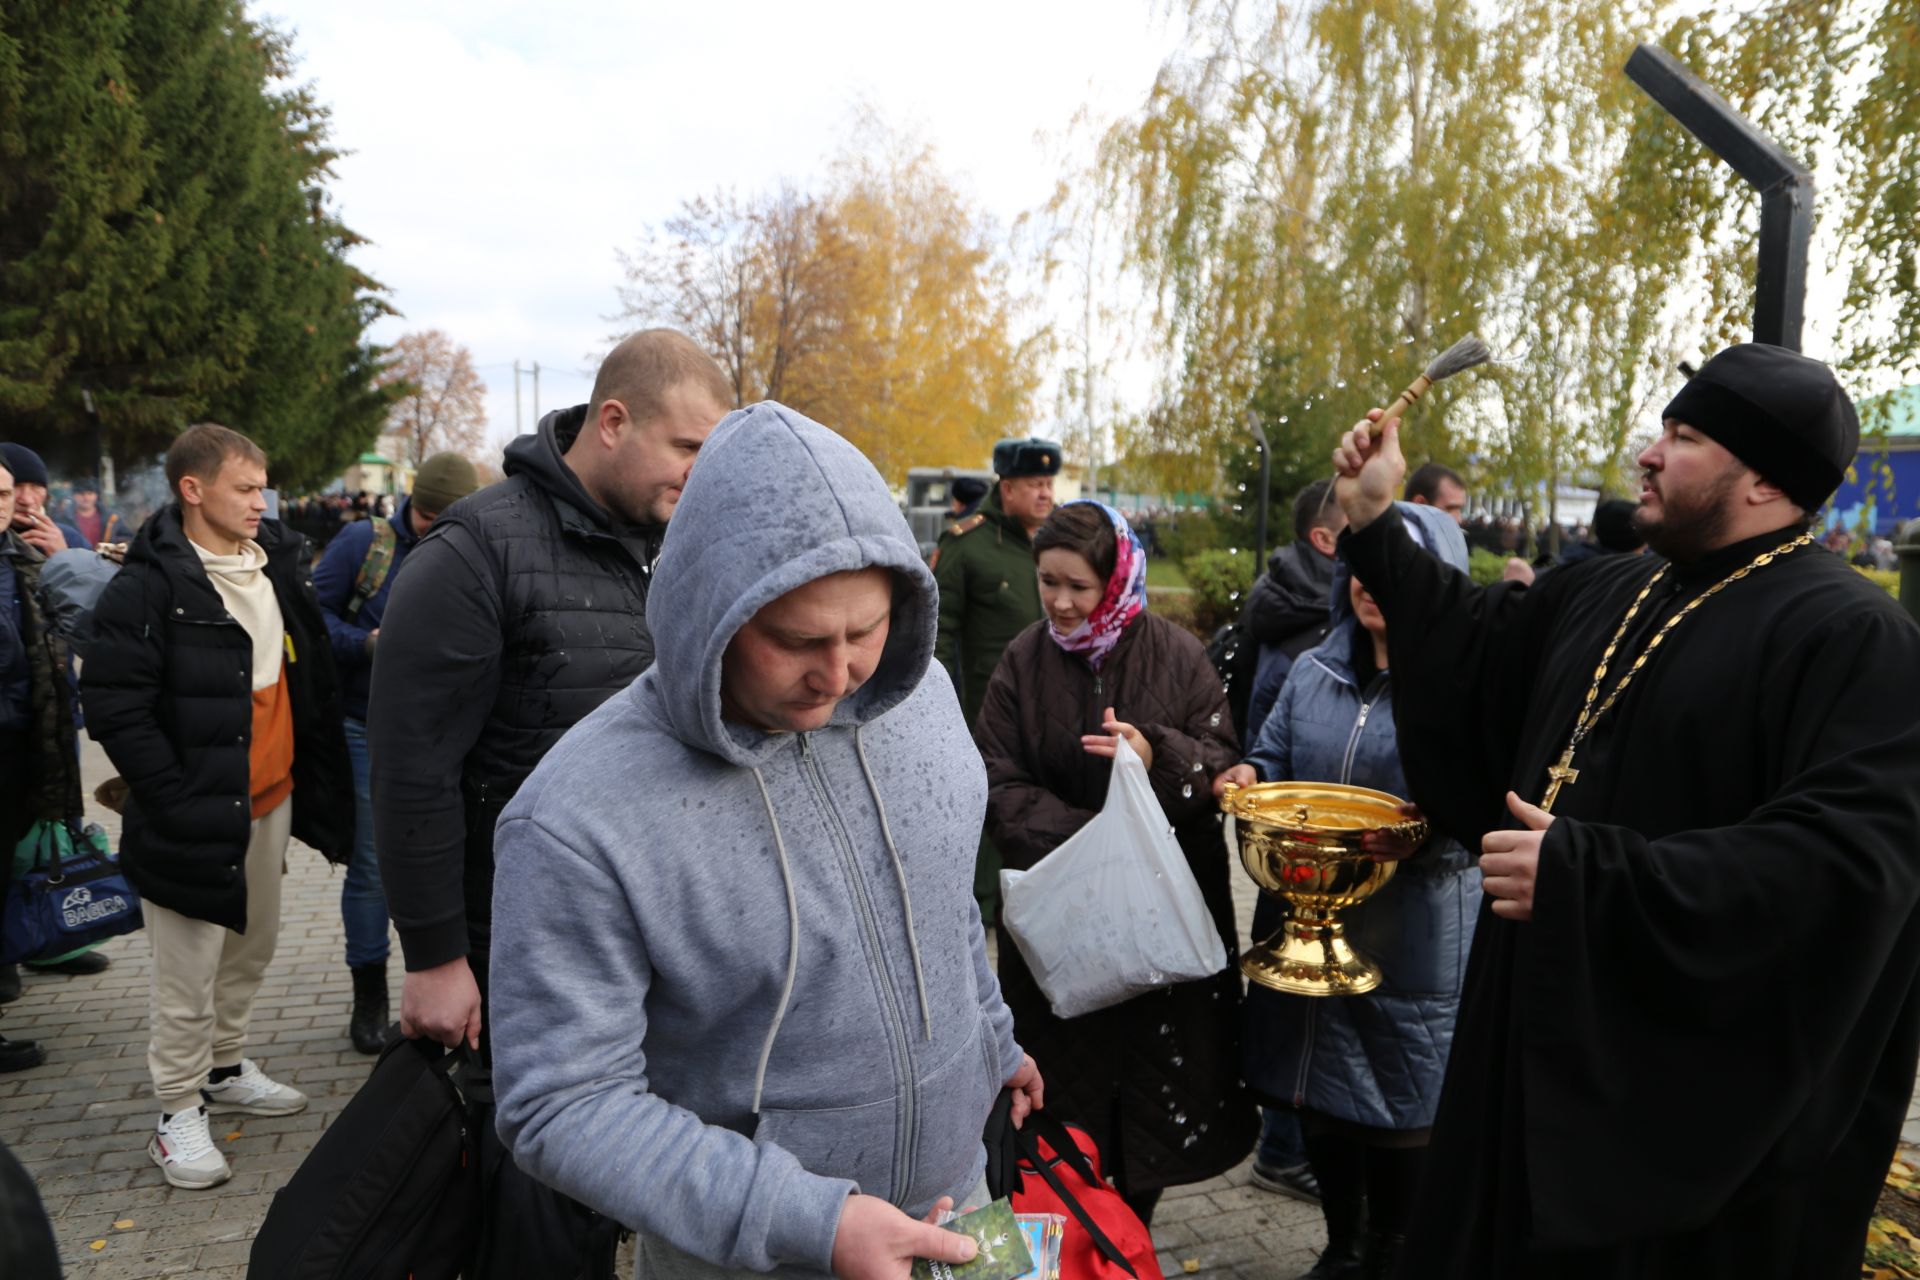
(1691, 523)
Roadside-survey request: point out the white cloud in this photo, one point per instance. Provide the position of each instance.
(501, 153)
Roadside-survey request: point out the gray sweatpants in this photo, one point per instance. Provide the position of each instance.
(658, 1260)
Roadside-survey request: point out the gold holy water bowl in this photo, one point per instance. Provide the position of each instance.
(1301, 841)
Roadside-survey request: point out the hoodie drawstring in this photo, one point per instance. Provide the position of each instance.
(793, 917)
(793, 944)
(900, 871)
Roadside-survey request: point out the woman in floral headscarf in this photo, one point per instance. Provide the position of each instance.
(1156, 1079)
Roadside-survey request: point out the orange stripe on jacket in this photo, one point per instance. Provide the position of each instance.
(270, 756)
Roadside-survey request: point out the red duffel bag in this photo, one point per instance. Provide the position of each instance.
(1050, 1167)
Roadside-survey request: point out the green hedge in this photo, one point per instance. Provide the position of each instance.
(1887, 580)
(1176, 607)
(1220, 581)
(1484, 566)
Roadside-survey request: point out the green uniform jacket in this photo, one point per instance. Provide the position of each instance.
(988, 596)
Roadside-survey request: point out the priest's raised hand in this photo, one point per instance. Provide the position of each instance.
(1509, 860)
(1368, 468)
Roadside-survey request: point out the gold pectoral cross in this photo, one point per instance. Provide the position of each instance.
(1563, 774)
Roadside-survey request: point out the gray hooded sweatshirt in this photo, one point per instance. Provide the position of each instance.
(738, 975)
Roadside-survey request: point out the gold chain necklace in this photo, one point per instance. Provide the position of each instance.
(1563, 773)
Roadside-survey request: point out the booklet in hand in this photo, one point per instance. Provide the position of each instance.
(1002, 1248)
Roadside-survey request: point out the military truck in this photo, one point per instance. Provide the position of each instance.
(929, 500)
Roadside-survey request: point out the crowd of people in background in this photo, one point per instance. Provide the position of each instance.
(322, 515)
(87, 518)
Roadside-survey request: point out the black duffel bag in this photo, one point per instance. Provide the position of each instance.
(527, 1228)
(392, 1189)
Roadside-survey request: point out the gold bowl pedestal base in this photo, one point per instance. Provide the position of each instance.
(1309, 956)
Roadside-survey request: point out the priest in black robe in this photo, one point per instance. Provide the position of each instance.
(1692, 1010)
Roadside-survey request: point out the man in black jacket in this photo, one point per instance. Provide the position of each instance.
(523, 610)
(19, 751)
(1288, 610)
(211, 687)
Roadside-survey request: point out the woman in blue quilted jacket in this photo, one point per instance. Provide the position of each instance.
(1364, 1071)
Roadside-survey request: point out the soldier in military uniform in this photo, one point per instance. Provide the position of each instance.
(967, 494)
(988, 594)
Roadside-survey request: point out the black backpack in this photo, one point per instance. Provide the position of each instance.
(392, 1189)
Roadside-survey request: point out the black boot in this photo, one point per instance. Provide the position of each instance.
(1393, 1179)
(9, 983)
(1382, 1255)
(18, 1055)
(368, 1025)
(1340, 1164)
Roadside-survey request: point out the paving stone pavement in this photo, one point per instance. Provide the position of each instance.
(80, 1121)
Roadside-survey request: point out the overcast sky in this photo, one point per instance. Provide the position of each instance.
(502, 152)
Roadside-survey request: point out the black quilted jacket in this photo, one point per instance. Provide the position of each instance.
(522, 610)
(1155, 1079)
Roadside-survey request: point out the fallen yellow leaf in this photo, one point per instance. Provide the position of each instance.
(1189, 1265)
(233, 1135)
(98, 1244)
(123, 1224)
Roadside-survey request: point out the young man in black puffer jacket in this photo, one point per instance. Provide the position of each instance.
(211, 687)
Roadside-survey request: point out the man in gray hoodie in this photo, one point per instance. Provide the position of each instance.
(762, 1030)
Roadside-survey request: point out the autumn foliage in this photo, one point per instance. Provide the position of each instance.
(879, 305)
(440, 401)
(168, 250)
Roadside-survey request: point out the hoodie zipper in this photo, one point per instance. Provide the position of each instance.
(869, 925)
(1368, 698)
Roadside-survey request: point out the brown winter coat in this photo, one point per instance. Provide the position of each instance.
(1156, 1079)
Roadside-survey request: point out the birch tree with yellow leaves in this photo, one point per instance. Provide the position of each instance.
(880, 305)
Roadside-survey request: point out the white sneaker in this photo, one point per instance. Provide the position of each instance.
(184, 1150)
(252, 1093)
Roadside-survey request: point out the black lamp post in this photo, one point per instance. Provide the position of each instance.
(1784, 184)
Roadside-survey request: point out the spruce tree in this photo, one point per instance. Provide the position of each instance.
(167, 244)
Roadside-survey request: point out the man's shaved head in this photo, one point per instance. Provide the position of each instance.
(654, 401)
(645, 367)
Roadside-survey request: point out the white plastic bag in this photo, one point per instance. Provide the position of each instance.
(1114, 910)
